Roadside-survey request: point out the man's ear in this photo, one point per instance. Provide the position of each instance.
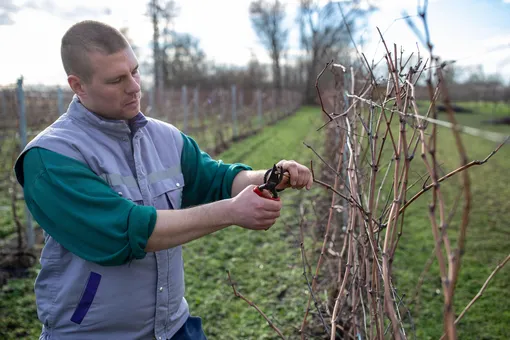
(76, 85)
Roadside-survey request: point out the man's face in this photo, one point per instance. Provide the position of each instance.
(114, 89)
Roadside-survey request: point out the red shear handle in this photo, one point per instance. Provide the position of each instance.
(261, 194)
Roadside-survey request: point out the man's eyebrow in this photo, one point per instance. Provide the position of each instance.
(120, 76)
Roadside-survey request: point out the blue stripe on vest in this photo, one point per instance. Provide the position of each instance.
(86, 299)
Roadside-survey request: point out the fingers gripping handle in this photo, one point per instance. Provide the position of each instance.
(261, 194)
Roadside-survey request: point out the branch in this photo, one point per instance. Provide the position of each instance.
(318, 91)
(322, 159)
(239, 295)
(464, 167)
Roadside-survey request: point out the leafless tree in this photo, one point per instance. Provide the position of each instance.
(325, 32)
(257, 73)
(267, 21)
(184, 60)
(159, 10)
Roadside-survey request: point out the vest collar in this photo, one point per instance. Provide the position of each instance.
(115, 127)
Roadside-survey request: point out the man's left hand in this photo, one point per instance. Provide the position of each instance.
(298, 176)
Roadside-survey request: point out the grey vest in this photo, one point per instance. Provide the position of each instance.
(143, 299)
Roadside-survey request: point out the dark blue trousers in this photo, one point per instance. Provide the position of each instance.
(191, 330)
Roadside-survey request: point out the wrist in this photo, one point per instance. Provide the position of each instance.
(226, 213)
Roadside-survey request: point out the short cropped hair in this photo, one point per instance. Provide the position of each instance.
(85, 37)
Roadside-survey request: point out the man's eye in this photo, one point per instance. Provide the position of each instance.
(115, 81)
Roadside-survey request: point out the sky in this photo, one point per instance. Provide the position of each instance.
(473, 32)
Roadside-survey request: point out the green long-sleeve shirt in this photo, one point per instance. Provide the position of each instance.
(82, 213)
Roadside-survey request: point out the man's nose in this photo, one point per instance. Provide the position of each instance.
(133, 86)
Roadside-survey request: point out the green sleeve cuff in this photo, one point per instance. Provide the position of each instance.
(231, 173)
(138, 237)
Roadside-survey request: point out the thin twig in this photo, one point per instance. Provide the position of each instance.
(479, 294)
(318, 92)
(239, 295)
(311, 291)
(462, 168)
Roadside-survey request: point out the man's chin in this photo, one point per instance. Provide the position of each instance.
(131, 112)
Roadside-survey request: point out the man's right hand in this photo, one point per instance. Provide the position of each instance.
(251, 211)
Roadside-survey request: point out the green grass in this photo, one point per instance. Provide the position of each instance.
(18, 313)
(267, 269)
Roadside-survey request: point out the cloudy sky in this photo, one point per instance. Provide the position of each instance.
(470, 31)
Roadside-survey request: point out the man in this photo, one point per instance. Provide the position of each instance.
(118, 194)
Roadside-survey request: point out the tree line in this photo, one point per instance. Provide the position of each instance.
(324, 31)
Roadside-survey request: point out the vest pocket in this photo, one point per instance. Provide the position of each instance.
(167, 192)
(87, 298)
(174, 198)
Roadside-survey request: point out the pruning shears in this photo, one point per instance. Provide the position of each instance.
(272, 178)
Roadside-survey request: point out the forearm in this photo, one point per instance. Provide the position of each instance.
(245, 178)
(176, 227)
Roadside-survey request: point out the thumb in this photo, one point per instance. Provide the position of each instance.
(285, 183)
